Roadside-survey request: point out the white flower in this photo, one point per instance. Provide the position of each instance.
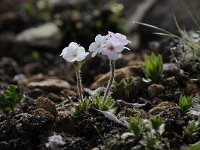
(113, 48)
(121, 38)
(74, 52)
(55, 141)
(98, 45)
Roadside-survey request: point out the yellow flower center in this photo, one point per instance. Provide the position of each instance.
(74, 55)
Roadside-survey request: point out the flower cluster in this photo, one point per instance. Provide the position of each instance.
(110, 45)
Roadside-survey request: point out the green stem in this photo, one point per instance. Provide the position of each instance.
(112, 67)
(79, 85)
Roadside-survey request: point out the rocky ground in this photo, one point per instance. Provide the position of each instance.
(29, 58)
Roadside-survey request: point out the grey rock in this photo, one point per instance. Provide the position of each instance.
(47, 35)
(47, 105)
(33, 68)
(64, 121)
(49, 84)
(155, 90)
(163, 106)
(170, 69)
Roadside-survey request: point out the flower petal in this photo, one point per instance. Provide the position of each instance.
(74, 44)
(98, 38)
(92, 47)
(94, 53)
(64, 51)
(113, 56)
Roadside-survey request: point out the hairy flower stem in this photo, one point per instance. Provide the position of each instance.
(79, 84)
(112, 67)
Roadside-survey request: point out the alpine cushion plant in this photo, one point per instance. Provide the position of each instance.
(10, 97)
(190, 131)
(156, 121)
(107, 105)
(75, 54)
(151, 142)
(110, 45)
(82, 107)
(153, 68)
(185, 102)
(136, 127)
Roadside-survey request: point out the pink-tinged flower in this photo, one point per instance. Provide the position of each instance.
(113, 48)
(74, 52)
(98, 45)
(121, 38)
(110, 45)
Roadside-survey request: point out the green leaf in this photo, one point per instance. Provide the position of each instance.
(195, 147)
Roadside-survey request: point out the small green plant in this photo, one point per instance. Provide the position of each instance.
(40, 10)
(128, 81)
(185, 102)
(35, 56)
(151, 142)
(195, 147)
(144, 131)
(82, 107)
(29, 8)
(156, 121)
(136, 127)
(9, 98)
(191, 131)
(153, 67)
(105, 105)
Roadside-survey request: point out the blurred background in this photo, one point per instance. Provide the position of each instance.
(34, 32)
